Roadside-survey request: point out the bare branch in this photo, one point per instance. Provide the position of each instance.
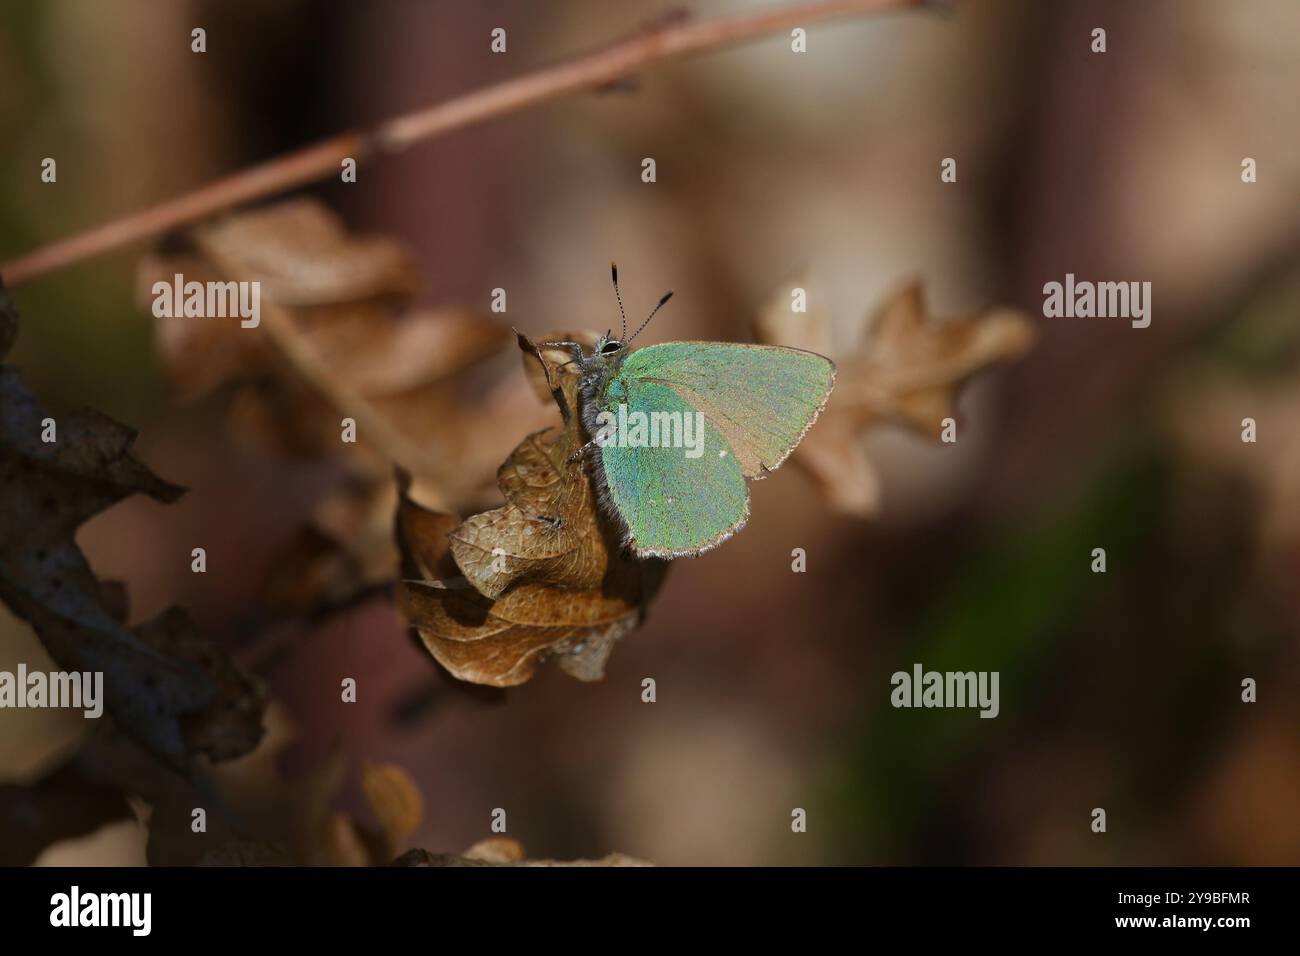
(667, 41)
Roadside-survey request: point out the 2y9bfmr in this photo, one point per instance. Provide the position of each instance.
(1216, 898)
(1200, 899)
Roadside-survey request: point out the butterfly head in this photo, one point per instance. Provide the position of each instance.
(607, 346)
(602, 364)
(598, 368)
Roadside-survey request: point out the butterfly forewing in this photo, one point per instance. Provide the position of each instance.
(762, 398)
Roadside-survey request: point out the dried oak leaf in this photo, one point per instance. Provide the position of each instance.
(907, 370)
(541, 577)
(170, 689)
(339, 338)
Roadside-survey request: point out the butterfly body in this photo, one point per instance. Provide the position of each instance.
(712, 414)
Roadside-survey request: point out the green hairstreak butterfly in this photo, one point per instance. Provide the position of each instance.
(677, 428)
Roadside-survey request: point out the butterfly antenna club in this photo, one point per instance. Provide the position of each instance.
(667, 295)
(613, 272)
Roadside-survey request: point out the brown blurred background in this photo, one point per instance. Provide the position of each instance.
(1119, 690)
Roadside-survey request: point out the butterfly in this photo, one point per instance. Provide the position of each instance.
(677, 428)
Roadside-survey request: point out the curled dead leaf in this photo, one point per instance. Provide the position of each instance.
(540, 578)
(502, 641)
(547, 533)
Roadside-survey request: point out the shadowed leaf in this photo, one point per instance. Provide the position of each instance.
(173, 691)
(63, 804)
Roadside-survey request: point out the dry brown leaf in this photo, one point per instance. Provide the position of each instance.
(908, 370)
(499, 850)
(395, 800)
(550, 531)
(339, 338)
(170, 689)
(502, 642)
(539, 578)
(547, 533)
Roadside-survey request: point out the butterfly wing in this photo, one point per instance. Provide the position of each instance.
(762, 398)
(673, 504)
(757, 402)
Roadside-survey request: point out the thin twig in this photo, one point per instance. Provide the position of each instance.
(668, 41)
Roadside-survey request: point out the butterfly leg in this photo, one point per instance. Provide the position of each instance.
(581, 452)
(555, 522)
(573, 347)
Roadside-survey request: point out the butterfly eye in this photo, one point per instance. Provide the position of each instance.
(610, 347)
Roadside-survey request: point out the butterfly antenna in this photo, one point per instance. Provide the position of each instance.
(667, 295)
(613, 271)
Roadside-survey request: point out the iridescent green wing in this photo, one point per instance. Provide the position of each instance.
(756, 401)
(762, 398)
(673, 501)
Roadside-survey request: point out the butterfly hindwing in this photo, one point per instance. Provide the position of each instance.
(762, 398)
(672, 503)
